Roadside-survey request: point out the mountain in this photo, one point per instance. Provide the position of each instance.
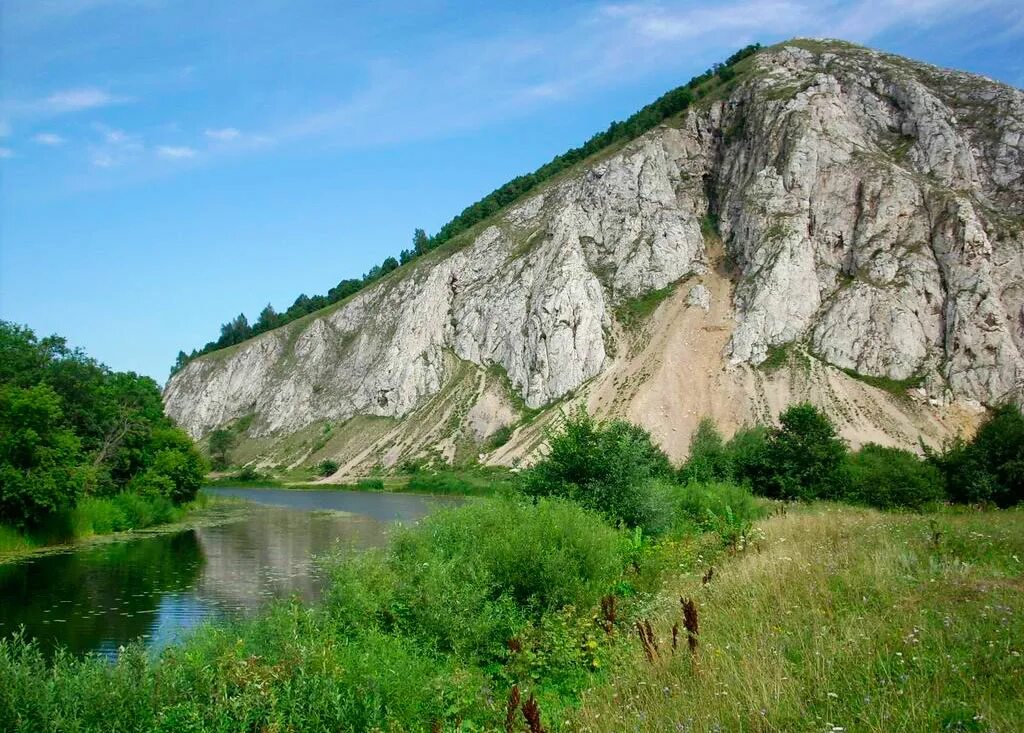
(828, 223)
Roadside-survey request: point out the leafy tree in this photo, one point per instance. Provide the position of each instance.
(406, 255)
(420, 242)
(989, 468)
(747, 451)
(709, 460)
(221, 441)
(606, 466)
(389, 265)
(890, 478)
(803, 458)
(40, 462)
(267, 319)
(71, 426)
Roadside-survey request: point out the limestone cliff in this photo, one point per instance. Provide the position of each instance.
(839, 225)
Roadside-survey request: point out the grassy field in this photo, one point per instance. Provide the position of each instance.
(821, 618)
(839, 619)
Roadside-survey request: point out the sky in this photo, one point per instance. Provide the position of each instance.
(166, 165)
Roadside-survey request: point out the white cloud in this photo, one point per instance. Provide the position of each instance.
(171, 152)
(226, 134)
(48, 138)
(5, 128)
(6, 153)
(115, 148)
(75, 100)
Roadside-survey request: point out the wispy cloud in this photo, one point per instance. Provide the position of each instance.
(75, 100)
(225, 134)
(48, 138)
(115, 148)
(172, 152)
(6, 153)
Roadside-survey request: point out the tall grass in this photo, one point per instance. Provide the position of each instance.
(98, 515)
(843, 619)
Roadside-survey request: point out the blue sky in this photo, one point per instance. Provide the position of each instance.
(166, 165)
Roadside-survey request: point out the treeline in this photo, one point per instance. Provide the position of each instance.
(616, 469)
(239, 329)
(72, 429)
(804, 458)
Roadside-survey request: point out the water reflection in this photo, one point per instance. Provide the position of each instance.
(99, 598)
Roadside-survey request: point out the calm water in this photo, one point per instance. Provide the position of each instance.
(154, 588)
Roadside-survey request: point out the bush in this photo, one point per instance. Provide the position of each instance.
(723, 507)
(438, 483)
(990, 468)
(371, 484)
(248, 473)
(327, 467)
(803, 458)
(468, 579)
(890, 478)
(709, 460)
(746, 451)
(605, 466)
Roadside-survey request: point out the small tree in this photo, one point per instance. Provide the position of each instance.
(890, 478)
(420, 242)
(221, 442)
(803, 458)
(989, 468)
(709, 460)
(606, 466)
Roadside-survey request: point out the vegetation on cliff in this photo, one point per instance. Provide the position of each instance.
(677, 100)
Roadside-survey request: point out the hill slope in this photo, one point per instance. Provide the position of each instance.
(833, 224)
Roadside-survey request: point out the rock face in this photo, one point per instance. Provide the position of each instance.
(860, 209)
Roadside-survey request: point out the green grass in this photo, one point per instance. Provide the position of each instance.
(778, 357)
(819, 617)
(97, 517)
(633, 312)
(895, 387)
(13, 542)
(841, 619)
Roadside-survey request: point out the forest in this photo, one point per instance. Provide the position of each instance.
(84, 449)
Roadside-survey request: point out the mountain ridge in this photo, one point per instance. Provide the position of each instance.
(847, 209)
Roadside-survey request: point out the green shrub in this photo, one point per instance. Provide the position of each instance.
(890, 478)
(709, 460)
(371, 484)
(605, 466)
(467, 579)
(803, 458)
(438, 483)
(726, 508)
(989, 468)
(499, 437)
(746, 451)
(248, 473)
(327, 467)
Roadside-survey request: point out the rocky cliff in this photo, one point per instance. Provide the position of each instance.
(837, 224)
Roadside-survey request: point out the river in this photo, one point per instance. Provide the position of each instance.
(100, 597)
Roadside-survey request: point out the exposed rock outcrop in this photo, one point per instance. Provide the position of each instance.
(861, 211)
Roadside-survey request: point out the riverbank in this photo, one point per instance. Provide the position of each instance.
(97, 521)
(819, 617)
(476, 481)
